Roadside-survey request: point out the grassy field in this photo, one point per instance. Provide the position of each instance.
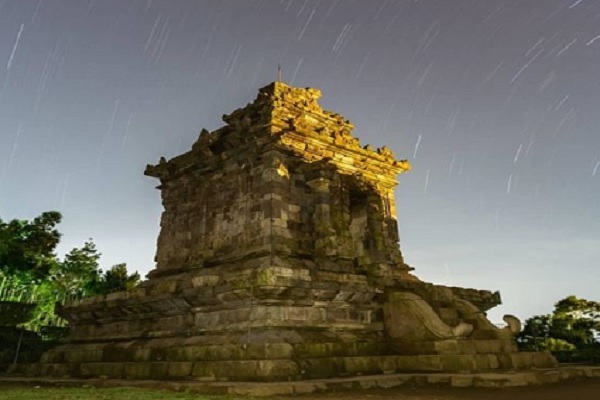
(47, 393)
(576, 390)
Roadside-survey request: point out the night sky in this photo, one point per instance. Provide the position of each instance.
(494, 103)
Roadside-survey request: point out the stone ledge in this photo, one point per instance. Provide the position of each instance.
(486, 380)
(223, 363)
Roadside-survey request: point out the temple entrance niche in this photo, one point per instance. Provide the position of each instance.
(359, 220)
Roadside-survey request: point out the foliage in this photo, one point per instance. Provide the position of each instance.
(587, 356)
(15, 289)
(27, 248)
(78, 275)
(91, 393)
(13, 312)
(553, 344)
(572, 304)
(571, 326)
(117, 279)
(30, 271)
(41, 294)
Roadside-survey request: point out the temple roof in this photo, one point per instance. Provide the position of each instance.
(292, 119)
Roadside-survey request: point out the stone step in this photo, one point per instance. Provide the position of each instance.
(458, 346)
(171, 351)
(127, 352)
(486, 379)
(289, 369)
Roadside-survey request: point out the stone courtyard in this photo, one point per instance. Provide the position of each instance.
(278, 259)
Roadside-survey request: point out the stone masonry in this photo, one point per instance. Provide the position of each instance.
(278, 259)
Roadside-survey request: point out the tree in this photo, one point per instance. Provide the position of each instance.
(117, 279)
(31, 272)
(79, 274)
(572, 325)
(580, 307)
(575, 320)
(27, 248)
(537, 326)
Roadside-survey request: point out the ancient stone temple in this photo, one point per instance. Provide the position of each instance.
(278, 259)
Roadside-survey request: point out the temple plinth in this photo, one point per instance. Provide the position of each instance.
(278, 259)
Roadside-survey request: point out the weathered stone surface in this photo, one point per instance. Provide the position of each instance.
(485, 379)
(278, 259)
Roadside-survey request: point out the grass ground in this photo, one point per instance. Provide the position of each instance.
(90, 393)
(579, 390)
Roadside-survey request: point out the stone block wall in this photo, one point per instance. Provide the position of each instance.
(284, 177)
